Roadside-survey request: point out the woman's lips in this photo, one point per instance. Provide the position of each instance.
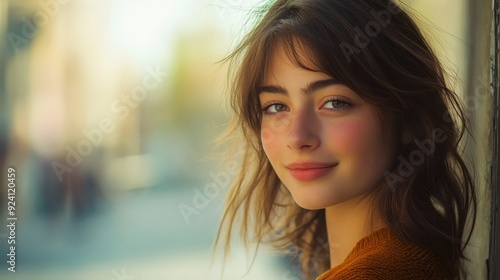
(307, 174)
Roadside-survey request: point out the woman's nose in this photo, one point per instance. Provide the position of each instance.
(303, 130)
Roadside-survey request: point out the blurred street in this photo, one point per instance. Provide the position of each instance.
(141, 232)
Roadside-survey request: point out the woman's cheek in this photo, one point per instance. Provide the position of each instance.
(349, 136)
(273, 130)
(269, 137)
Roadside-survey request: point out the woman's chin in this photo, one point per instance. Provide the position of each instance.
(315, 203)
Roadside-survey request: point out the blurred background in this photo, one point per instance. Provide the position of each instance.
(107, 109)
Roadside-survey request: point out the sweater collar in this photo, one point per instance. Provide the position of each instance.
(377, 236)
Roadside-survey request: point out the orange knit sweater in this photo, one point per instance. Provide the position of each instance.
(383, 256)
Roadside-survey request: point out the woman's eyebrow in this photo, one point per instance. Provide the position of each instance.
(310, 88)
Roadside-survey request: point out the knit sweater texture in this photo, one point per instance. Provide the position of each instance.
(383, 256)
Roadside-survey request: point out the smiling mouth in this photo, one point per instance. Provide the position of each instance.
(309, 165)
(308, 174)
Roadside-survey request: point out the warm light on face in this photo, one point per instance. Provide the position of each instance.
(311, 117)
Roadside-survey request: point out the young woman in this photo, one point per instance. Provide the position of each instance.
(351, 144)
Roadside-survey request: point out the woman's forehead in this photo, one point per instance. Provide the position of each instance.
(288, 53)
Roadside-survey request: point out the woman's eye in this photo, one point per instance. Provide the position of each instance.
(274, 108)
(336, 104)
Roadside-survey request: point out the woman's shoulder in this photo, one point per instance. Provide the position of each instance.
(382, 255)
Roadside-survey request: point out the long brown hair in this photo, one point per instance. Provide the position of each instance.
(376, 49)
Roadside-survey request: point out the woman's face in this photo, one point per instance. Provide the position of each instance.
(309, 117)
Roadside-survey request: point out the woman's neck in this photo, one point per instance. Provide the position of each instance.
(346, 224)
